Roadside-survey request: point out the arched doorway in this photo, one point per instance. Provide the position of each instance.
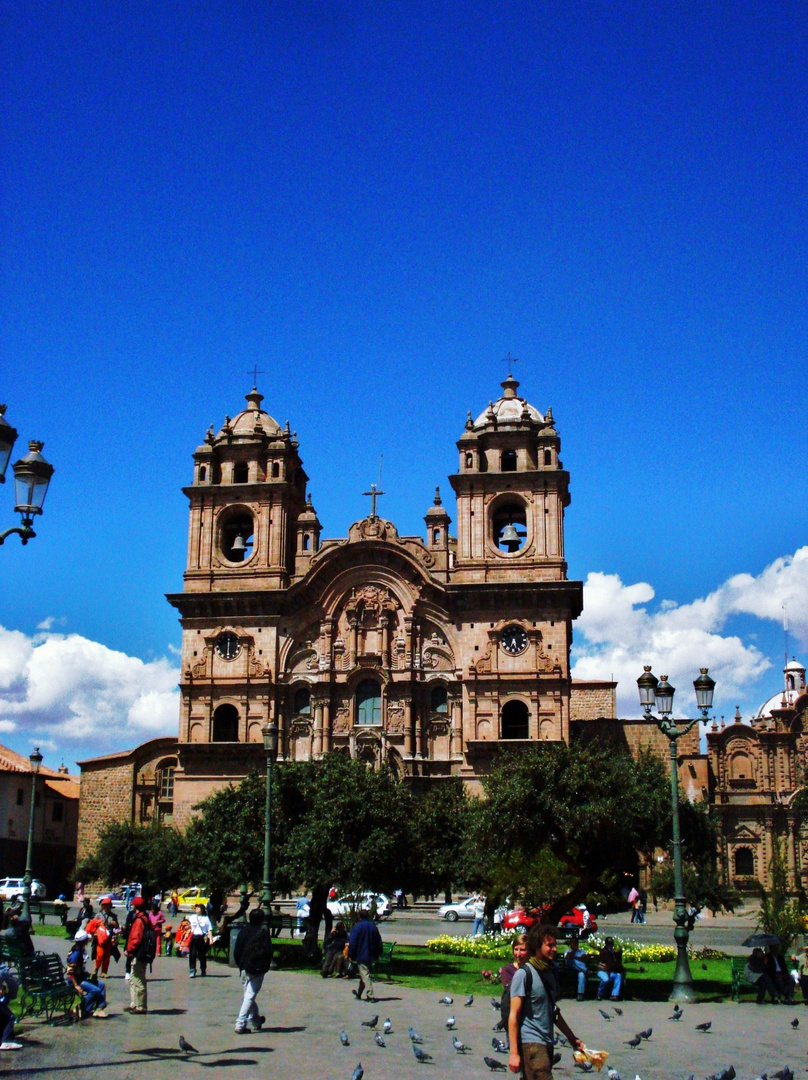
(225, 724)
(515, 720)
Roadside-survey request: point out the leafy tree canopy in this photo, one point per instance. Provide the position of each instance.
(152, 854)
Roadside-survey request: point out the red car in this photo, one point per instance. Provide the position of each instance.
(576, 921)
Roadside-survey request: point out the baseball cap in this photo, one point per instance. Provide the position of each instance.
(138, 901)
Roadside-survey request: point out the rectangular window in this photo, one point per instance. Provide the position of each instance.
(20, 796)
(58, 812)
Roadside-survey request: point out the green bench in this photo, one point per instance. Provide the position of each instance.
(739, 983)
(44, 987)
(384, 963)
(41, 908)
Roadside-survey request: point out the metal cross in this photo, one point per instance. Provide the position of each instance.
(255, 373)
(510, 361)
(374, 494)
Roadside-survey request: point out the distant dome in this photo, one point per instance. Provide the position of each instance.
(793, 686)
(508, 409)
(244, 423)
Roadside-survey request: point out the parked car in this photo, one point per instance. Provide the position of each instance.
(575, 921)
(354, 902)
(195, 895)
(463, 909)
(11, 889)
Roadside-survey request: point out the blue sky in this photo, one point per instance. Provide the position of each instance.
(374, 203)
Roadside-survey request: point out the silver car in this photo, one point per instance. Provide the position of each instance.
(463, 909)
(11, 889)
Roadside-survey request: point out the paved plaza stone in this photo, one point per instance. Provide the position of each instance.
(305, 1013)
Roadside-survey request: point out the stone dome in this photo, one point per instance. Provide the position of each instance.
(793, 686)
(246, 421)
(508, 409)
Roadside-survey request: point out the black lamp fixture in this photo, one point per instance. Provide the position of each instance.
(32, 475)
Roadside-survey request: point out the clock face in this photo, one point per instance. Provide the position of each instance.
(514, 639)
(228, 646)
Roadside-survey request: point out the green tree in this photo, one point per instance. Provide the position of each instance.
(440, 823)
(703, 885)
(225, 844)
(152, 854)
(590, 806)
(780, 914)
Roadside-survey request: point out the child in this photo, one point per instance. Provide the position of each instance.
(93, 996)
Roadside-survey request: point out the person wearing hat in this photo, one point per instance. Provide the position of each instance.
(105, 929)
(138, 990)
(93, 997)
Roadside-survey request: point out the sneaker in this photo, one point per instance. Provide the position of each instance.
(10, 1046)
(191, 974)
(241, 1031)
(101, 1014)
(128, 976)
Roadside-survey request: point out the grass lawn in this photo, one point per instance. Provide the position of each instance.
(418, 967)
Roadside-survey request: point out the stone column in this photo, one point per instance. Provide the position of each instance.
(317, 741)
(409, 734)
(326, 706)
(353, 644)
(457, 727)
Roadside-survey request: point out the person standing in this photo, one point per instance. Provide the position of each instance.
(106, 932)
(478, 908)
(801, 964)
(534, 992)
(201, 931)
(632, 899)
(158, 921)
(364, 946)
(506, 974)
(136, 948)
(253, 955)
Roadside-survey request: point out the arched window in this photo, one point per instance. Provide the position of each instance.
(509, 526)
(515, 720)
(240, 472)
(368, 702)
(548, 457)
(438, 700)
(236, 536)
(276, 470)
(225, 724)
(469, 461)
(741, 767)
(508, 461)
(203, 472)
(744, 862)
(302, 703)
(165, 781)
(436, 537)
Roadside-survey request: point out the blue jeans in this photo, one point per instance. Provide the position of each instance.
(605, 979)
(95, 997)
(479, 925)
(579, 966)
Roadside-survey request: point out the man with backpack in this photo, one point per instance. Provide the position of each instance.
(253, 955)
(141, 946)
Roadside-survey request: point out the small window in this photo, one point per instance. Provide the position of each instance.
(548, 457)
(744, 862)
(302, 704)
(225, 724)
(166, 782)
(515, 720)
(306, 542)
(57, 812)
(203, 473)
(20, 796)
(240, 472)
(276, 470)
(368, 703)
(436, 539)
(469, 461)
(509, 461)
(439, 700)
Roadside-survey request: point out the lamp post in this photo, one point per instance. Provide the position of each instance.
(36, 761)
(32, 475)
(659, 692)
(270, 733)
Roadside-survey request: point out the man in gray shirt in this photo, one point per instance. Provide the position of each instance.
(534, 992)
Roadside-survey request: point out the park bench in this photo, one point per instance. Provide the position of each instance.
(277, 923)
(10, 953)
(568, 977)
(43, 987)
(383, 964)
(42, 908)
(739, 983)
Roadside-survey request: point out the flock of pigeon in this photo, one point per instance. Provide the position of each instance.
(500, 1046)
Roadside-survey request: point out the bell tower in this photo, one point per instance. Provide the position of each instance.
(511, 493)
(248, 492)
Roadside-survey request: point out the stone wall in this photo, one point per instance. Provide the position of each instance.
(107, 789)
(590, 699)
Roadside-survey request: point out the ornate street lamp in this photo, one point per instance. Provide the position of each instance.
(36, 761)
(659, 692)
(270, 733)
(32, 475)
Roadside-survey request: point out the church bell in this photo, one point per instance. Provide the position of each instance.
(510, 538)
(239, 546)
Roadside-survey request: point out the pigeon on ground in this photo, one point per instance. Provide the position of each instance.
(420, 1055)
(343, 1038)
(387, 1026)
(584, 1066)
(186, 1046)
(494, 1065)
(499, 1045)
(414, 1036)
(783, 1074)
(469, 1001)
(450, 1022)
(446, 1000)
(499, 1026)
(705, 1026)
(613, 1074)
(676, 1016)
(605, 1015)
(795, 1023)
(646, 1034)
(618, 1011)
(677, 1007)
(495, 1003)
(379, 1040)
(460, 1047)
(358, 1072)
(556, 1057)
(635, 1042)
(725, 1074)
(371, 1023)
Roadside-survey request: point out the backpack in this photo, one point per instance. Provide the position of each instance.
(147, 949)
(257, 955)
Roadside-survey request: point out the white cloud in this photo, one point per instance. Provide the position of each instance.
(620, 633)
(70, 690)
